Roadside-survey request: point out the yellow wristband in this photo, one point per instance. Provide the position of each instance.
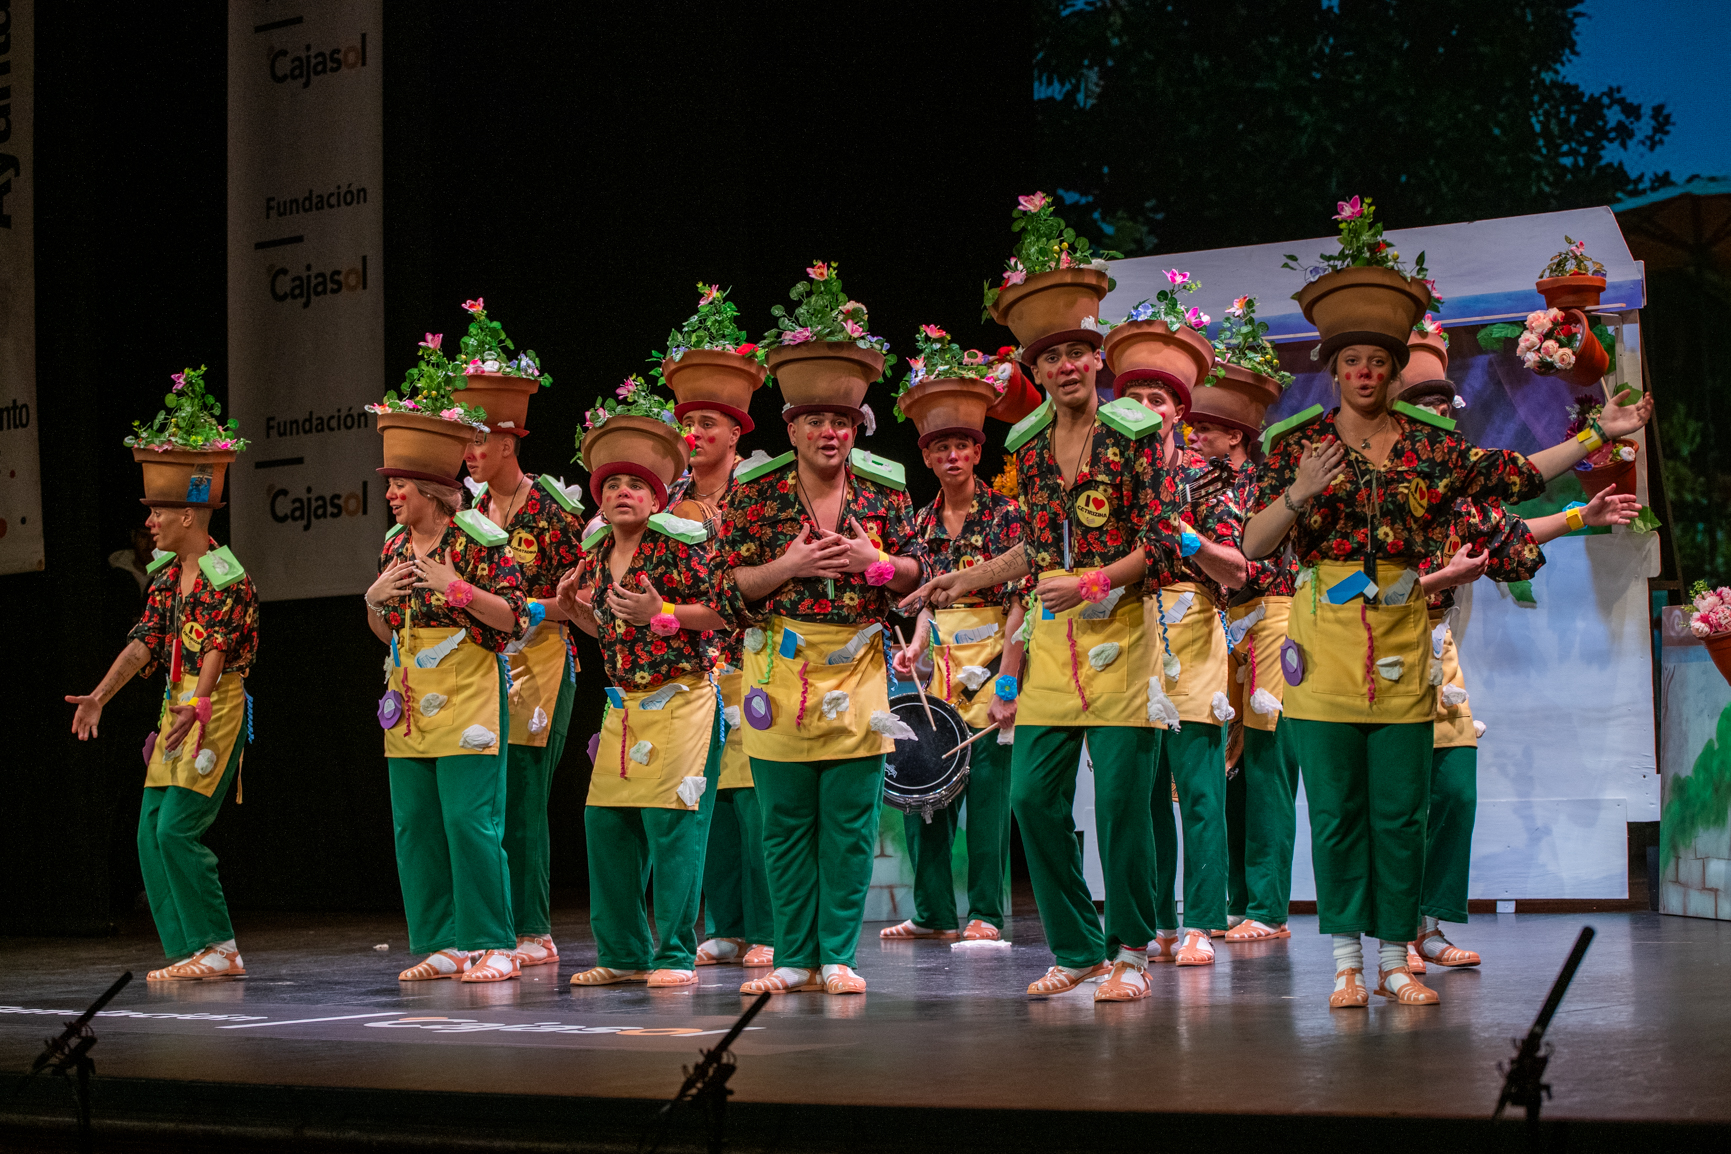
(1589, 437)
(885, 557)
(1575, 520)
(668, 608)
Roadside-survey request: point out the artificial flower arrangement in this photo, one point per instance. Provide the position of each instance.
(1047, 244)
(940, 358)
(484, 349)
(715, 325)
(1584, 414)
(1242, 340)
(1166, 305)
(636, 399)
(1549, 341)
(1431, 327)
(429, 389)
(1572, 261)
(823, 313)
(1711, 616)
(190, 419)
(1362, 246)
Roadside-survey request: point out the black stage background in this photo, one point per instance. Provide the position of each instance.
(580, 167)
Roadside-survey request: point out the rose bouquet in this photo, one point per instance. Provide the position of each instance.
(1549, 341)
(190, 419)
(715, 325)
(429, 389)
(823, 312)
(1167, 306)
(1242, 341)
(485, 345)
(940, 358)
(1362, 246)
(1047, 245)
(1712, 613)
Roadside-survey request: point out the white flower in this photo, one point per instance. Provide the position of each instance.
(1549, 349)
(1538, 323)
(1699, 628)
(1564, 358)
(490, 366)
(1526, 344)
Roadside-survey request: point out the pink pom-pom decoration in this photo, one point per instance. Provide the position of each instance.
(879, 573)
(664, 625)
(1095, 586)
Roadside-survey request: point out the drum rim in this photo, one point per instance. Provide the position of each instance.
(934, 799)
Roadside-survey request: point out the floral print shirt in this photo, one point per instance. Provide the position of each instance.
(724, 649)
(490, 568)
(1410, 500)
(763, 516)
(1219, 518)
(1515, 555)
(1275, 575)
(992, 526)
(635, 657)
(1120, 501)
(545, 539)
(208, 619)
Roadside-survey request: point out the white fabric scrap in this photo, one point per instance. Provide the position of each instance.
(691, 788)
(1160, 707)
(1397, 593)
(660, 698)
(539, 721)
(977, 633)
(1178, 607)
(640, 752)
(1006, 735)
(1102, 609)
(1222, 706)
(431, 703)
(973, 676)
(1437, 637)
(1243, 674)
(888, 724)
(1236, 631)
(731, 714)
(1436, 673)
(1265, 703)
(1478, 728)
(478, 737)
(754, 638)
(758, 457)
(173, 754)
(205, 762)
(834, 702)
(1391, 668)
(1169, 663)
(1104, 654)
(1452, 696)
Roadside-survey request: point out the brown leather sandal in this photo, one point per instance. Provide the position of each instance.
(1126, 983)
(1450, 955)
(1411, 992)
(1351, 996)
(1251, 930)
(602, 976)
(1056, 981)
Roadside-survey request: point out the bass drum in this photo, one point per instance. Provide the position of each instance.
(917, 778)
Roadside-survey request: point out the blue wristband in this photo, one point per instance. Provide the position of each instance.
(1006, 687)
(1190, 542)
(537, 613)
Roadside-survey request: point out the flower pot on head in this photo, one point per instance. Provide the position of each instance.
(1018, 399)
(505, 399)
(1571, 292)
(1153, 350)
(1427, 358)
(825, 373)
(639, 446)
(1364, 306)
(424, 448)
(1719, 648)
(183, 478)
(1237, 398)
(1591, 360)
(1616, 475)
(715, 379)
(1050, 302)
(949, 405)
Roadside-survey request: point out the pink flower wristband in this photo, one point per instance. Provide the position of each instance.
(459, 594)
(666, 622)
(1095, 586)
(882, 571)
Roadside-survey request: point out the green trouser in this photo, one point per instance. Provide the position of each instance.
(1195, 757)
(988, 844)
(449, 818)
(1448, 846)
(1367, 834)
(735, 886)
(1043, 766)
(528, 847)
(179, 870)
(820, 823)
(628, 845)
(1261, 823)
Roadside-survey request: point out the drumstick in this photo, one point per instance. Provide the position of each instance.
(971, 740)
(930, 720)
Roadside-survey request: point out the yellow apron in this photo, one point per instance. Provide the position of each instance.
(806, 736)
(948, 659)
(1063, 688)
(678, 735)
(735, 765)
(537, 671)
(1264, 638)
(1198, 641)
(467, 679)
(201, 772)
(1454, 727)
(1333, 642)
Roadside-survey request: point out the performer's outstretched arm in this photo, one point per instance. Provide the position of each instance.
(1010, 565)
(89, 713)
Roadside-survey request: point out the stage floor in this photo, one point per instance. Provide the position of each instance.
(1644, 1034)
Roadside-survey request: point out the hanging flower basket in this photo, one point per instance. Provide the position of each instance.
(1611, 467)
(1571, 292)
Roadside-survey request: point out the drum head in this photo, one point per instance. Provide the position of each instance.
(917, 777)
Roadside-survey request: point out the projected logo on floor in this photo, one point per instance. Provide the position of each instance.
(474, 1026)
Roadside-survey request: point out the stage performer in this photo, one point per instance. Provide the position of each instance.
(976, 662)
(543, 519)
(448, 601)
(1097, 505)
(200, 627)
(1189, 656)
(646, 590)
(1491, 542)
(712, 387)
(1365, 490)
(818, 540)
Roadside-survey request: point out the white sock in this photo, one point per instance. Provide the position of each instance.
(1137, 958)
(1235, 920)
(1348, 952)
(1073, 971)
(831, 971)
(1202, 939)
(793, 975)
(1430, 924)
(720, 949)
(228, 945)
(1391, 955)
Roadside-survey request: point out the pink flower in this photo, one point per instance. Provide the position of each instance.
(819, 271)
(476, 306)
(880, 573)
(973, 357)
(474, 366)
(1564, 358)
(1708, 601)
(624, 390)
(1700, 628)
(1095, 586)
(223, 445)
(1526, 344)
(451, 414)
(1196, 318)
(1579, 247)
(1033, 203)
(1723, 593)
(711, 294)
(1549, 349)
(1014, 276)
(410, 405)
(1349, 209)
(934, 332)
(853, 330)
(433, 341)
(664, 625)
(1538, 323)
(1176, 277)
(796, 337)
(1239, 304)
(1720, 619)
(179, 380)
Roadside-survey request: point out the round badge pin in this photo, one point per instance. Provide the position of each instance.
(757, 709)
(1291, 661)
(390, 709)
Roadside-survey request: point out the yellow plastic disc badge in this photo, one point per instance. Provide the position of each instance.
(1418, 496)
(524, 547)
(1093, 507)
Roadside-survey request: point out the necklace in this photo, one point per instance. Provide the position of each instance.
(512, 507)
(811, 506)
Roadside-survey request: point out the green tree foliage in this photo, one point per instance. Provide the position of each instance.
(1184, 126)
(1692, 385)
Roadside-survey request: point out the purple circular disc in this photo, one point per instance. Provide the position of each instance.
(594, 747)
(149, 746)
(1291, 661)
(390, 709)
(757, 711)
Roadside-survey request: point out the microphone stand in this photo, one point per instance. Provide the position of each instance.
(70, 1054)
(1523, 1082)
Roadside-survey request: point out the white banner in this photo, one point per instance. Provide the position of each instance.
(306, 292)
(20, 465)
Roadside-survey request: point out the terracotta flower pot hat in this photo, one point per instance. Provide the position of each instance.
(824, 377)
(949, 406)
(183, 478)
(1052, 308)
(1426, 374)
(505, 399)
(424, 448)
(1154, 351)
(1364, 306)
(643, 447)
(1238, 399)
(715, 379)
